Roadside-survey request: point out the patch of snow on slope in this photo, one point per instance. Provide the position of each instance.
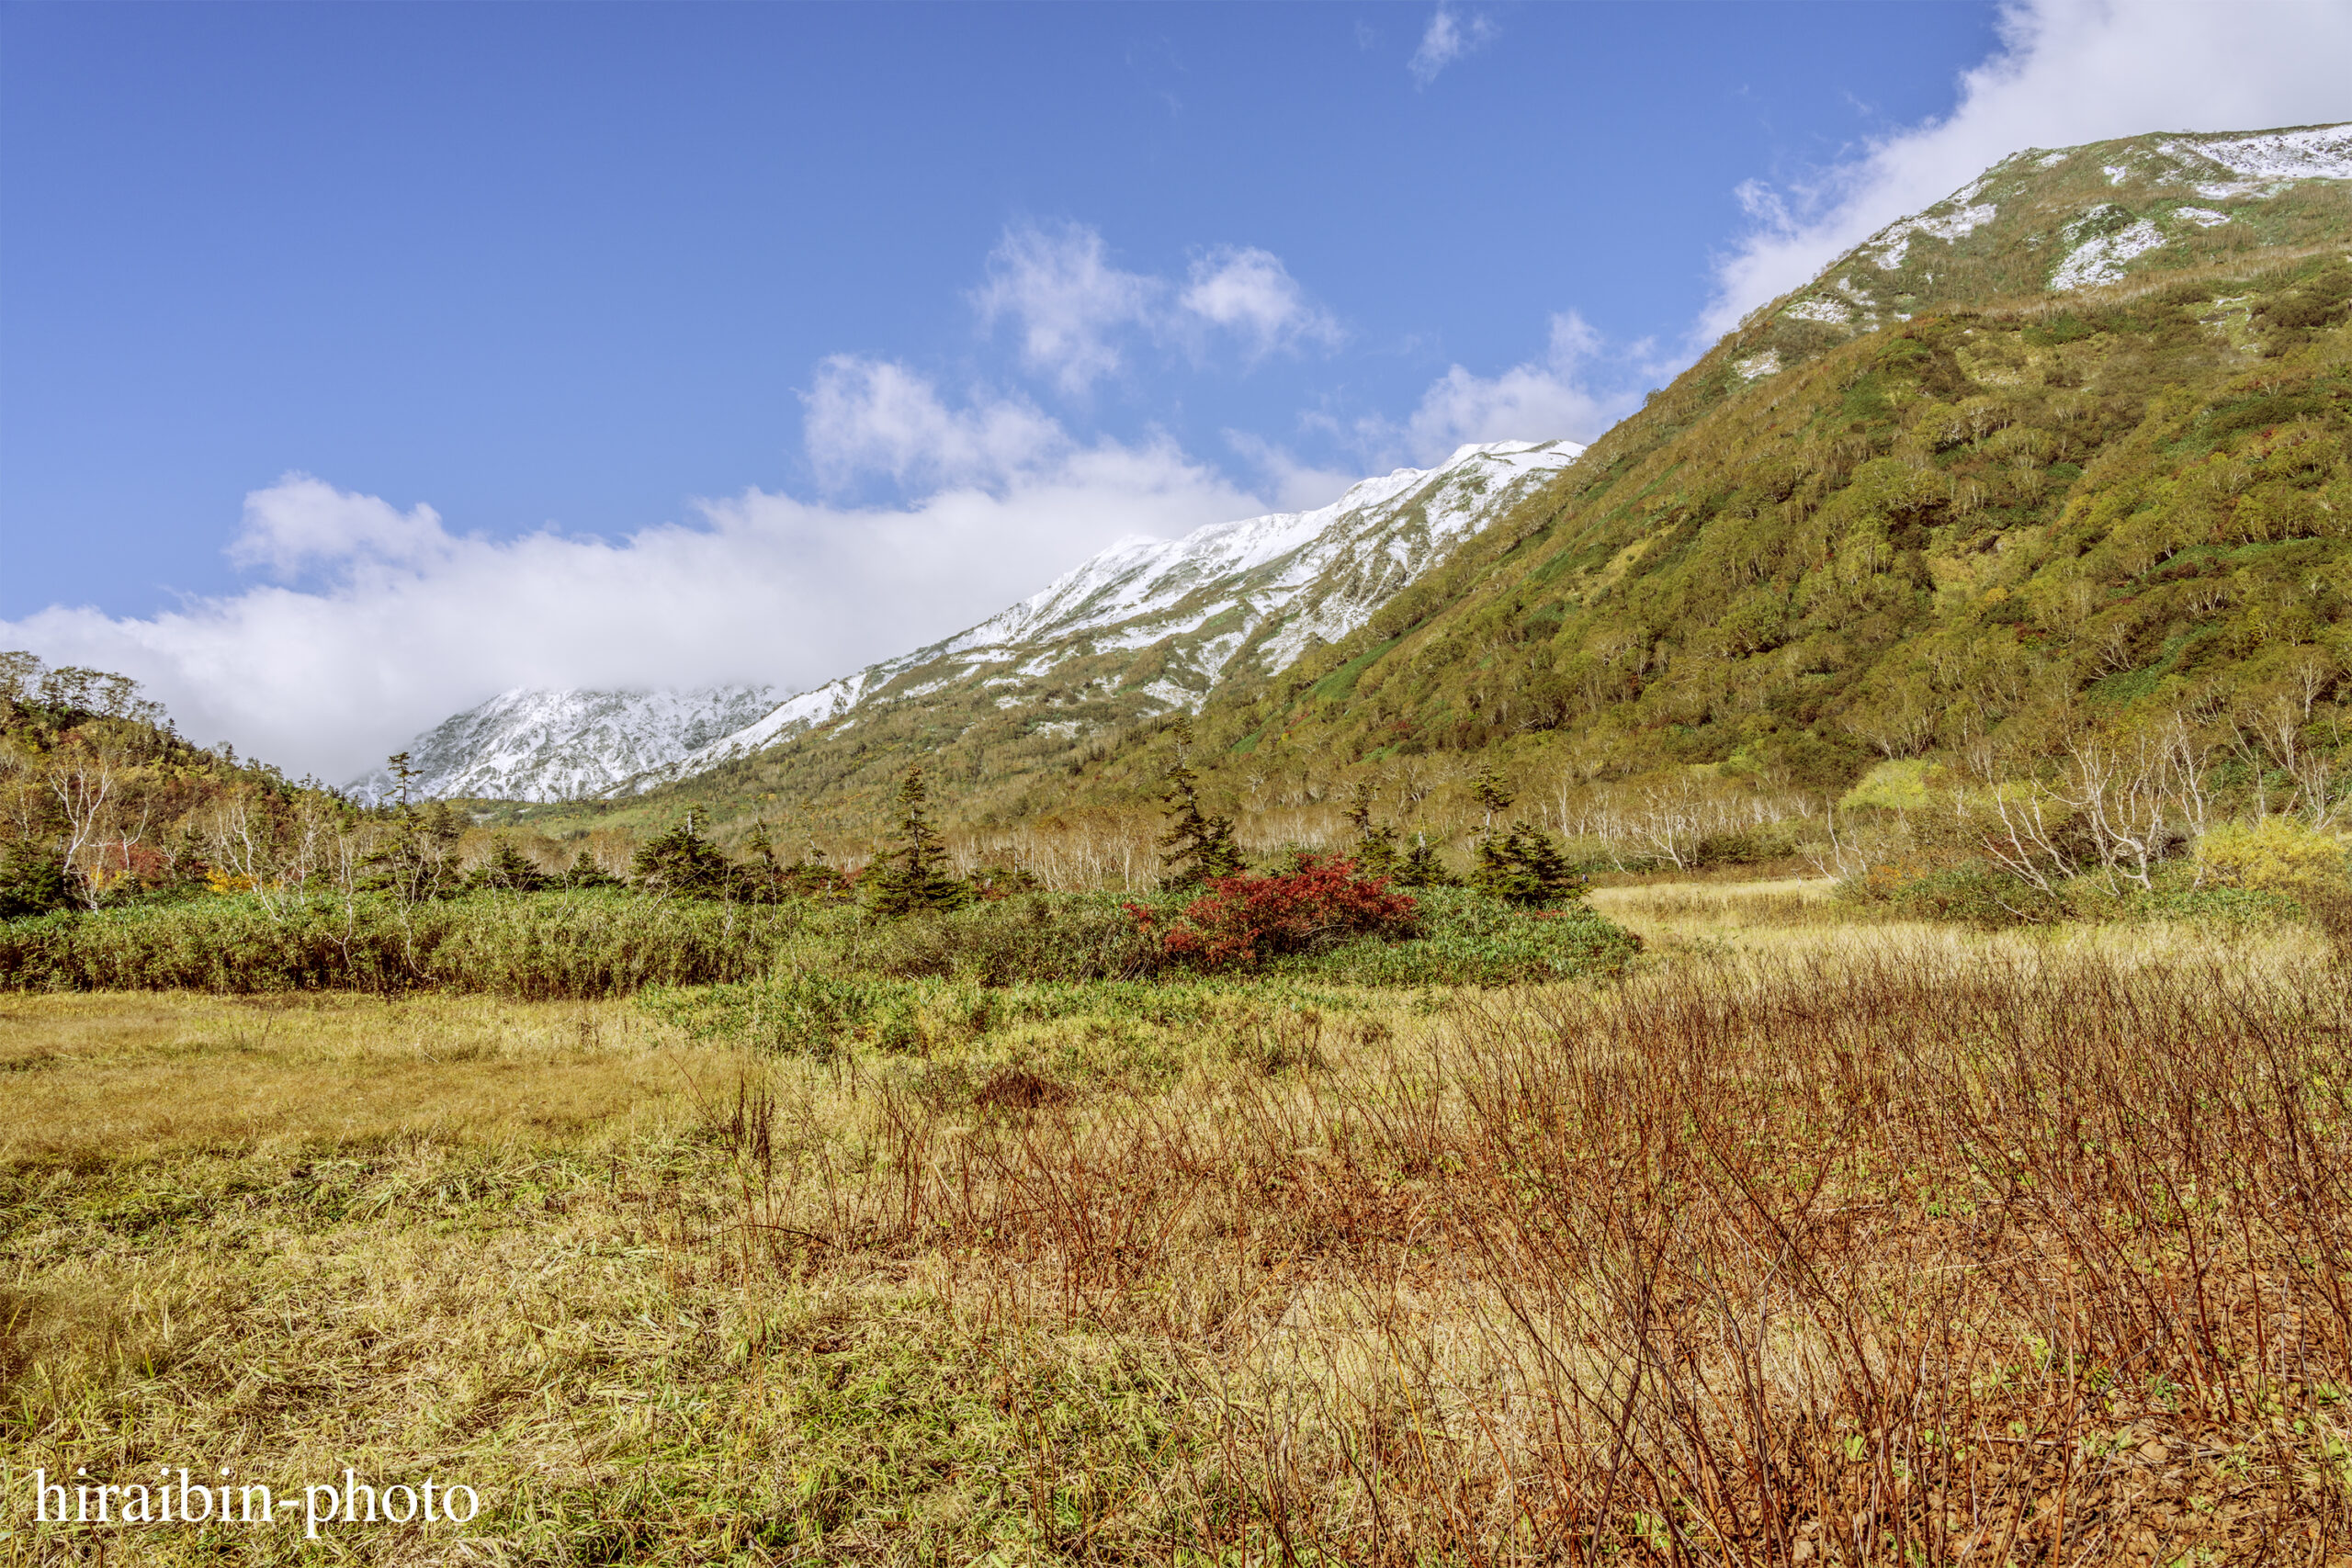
(1895, 240)
(1828, 310)
(1217, 653)
(2100, 259)
(2203, 217)
(1167, 694)
(2323, 153)
(529, 744)
(826, 701)
(1755, 366)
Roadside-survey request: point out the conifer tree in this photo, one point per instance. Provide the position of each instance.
(1493, 793)
(919, 879)
(1422, 866)
(409, 862)
(1523, 866)
(681, 861)
(761, 854)
(1376, 852)
(1196, 846)
(397, 764)
(586, 872)
(511, 870)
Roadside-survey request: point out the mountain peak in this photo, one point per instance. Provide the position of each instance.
(1144, 626)
(2047, 220)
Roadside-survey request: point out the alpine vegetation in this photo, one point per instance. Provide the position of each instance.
(1776, 989)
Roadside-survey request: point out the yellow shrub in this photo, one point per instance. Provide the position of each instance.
(2277, 854)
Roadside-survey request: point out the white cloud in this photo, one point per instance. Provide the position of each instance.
(875, 416)
(1539, 401)
(2066, 72)
(1295, 486)
(409, 622)
(1248, 292)
(1067, 299)
(300, 522)
(1078, 315)
(1447, 40)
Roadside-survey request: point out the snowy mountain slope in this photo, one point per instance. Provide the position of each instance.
(2057, 221)
(1159, 621)
(528, 744)
(1145, 625)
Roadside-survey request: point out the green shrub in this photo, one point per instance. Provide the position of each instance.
(1979, 894)
(1032, 937)
(543, 946)
(1973, 892)
(1468, 939)
(601, 943)
(819, 1015)
(2233, 908)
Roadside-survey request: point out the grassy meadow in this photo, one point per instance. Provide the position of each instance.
(1800, 1240)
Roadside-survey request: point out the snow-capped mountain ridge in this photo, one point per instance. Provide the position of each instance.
(565, 745)
(1147, 622)
(2079, 217)
(1286, 578)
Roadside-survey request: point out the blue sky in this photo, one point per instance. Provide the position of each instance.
(839, 305)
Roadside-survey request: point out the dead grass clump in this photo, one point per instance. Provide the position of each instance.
(1018, 1088)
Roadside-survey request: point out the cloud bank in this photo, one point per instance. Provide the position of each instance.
(382, 621)
(2066, 72)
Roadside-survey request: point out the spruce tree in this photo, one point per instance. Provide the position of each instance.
(511, 870)
(761, 853)
(1492, 793)
(586, 872)
(33, 882)
(916, 876)
(1196, 847)
(397, 764)
(1424, 867)
(411, 861)
(1523, 866)
(1376, 841)
(681, 861)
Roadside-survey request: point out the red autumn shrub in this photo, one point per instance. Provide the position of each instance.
(1245, 919)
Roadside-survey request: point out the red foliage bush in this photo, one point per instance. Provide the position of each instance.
(1245, 919)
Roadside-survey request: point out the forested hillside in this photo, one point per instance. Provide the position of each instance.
(2063, 458)
(1955, 536)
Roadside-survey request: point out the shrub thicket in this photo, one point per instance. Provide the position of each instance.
(600, 944)
(545, 945)
(1241, 921)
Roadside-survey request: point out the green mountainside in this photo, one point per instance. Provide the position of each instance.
(2070, 444)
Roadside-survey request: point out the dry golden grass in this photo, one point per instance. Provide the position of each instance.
(1808, 1244)
(126, 1077)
